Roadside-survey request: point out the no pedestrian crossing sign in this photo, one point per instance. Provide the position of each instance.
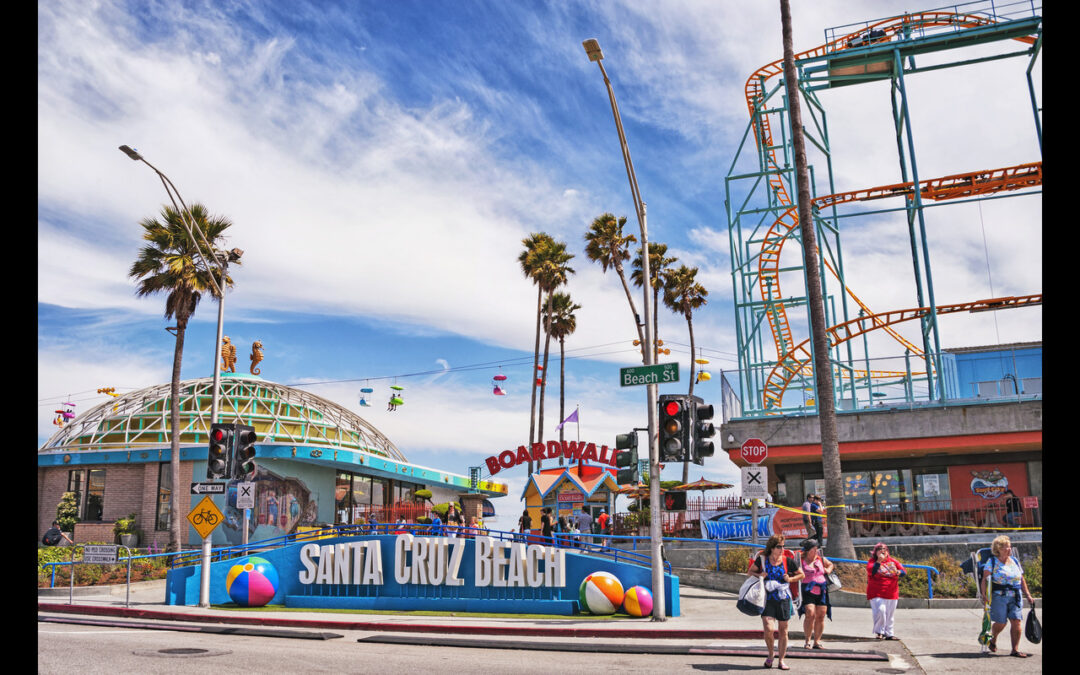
(99, 554)
(755, 482)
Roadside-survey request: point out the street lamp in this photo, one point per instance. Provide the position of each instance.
(592, 48)
(222, 260)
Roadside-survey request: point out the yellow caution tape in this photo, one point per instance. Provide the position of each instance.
(898, 522)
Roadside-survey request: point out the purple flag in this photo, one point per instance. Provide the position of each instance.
(571, 418)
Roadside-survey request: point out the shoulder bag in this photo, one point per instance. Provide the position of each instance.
(752, 595)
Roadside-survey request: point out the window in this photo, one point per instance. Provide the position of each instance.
(75, 481)
(164, 500)
(88, 485)
(932, 489)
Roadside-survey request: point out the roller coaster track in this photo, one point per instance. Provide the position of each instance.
(948, 187)
(800, 357)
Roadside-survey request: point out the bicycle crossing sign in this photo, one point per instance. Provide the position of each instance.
(205, 517)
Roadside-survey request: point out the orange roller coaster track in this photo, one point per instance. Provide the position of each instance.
(800, 357)
(947, 187)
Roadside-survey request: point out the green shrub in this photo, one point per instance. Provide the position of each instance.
(1033, 573)
(67, 512)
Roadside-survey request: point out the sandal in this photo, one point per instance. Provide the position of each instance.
(879, 636)
(992, 645)
(1021, 655)
(817, 645)
(784, 666)
(768, 662)
(806, 645)
(892, 637)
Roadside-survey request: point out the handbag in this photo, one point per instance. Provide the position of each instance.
(752, 596)
(1033, 629)
(834, 582)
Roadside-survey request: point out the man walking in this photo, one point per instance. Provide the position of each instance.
(808, 507)
(584, 526)
(818, 506)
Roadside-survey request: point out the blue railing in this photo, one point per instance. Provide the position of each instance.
(930, 574)
(560, 540)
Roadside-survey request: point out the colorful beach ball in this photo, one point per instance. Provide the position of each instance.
(252, 582)
(638, 601)
(600, 593)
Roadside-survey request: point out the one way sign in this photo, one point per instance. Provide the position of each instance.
(208, 488)
(755, 482)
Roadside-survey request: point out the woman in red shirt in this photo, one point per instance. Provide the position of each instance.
(883, 574)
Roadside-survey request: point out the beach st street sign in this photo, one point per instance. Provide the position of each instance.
(661, 373)
(208, 488)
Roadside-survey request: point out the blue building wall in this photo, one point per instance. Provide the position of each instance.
(963, 370)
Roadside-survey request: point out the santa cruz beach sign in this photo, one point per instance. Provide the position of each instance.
(572, 450)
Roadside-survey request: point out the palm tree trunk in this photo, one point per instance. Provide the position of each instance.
(633, 308)
(562, 391)
(543, 377)
(536, 362)
(840, 544)
(174, 429)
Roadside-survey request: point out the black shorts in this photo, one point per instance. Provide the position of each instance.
(778, 609)
(809, 598)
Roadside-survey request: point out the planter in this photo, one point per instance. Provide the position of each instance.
(129, 540)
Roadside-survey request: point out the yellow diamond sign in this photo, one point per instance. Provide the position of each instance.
(205, 517)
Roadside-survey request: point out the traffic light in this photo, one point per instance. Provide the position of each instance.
(244, 462)
(702, 430)
(674, 427)
(627, 460)
(219, 455)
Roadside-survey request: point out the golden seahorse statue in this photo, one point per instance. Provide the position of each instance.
(256, 356)
(228, 355)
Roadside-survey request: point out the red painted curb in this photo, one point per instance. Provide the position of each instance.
(644, 632)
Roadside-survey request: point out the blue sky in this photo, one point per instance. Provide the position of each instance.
(382, 161)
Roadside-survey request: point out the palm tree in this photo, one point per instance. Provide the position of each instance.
(531, 260)
(683, 294)
(170, 264)
(658, 267)
(563, 322)
(553, 272)
(606, 245)
(840, 544)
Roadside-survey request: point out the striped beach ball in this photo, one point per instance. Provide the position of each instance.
(252, 582)
(638, 601)
(600, 593)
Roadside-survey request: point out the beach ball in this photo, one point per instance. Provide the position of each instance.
(600, 593)
(252, 582)
(638, 601)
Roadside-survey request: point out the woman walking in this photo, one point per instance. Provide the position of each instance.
(1006, 578)
(883, 574)
(778, 572)
(815, 593)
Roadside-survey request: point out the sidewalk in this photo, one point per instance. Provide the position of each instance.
(931, 640)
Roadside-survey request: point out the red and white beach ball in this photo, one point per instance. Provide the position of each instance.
(600, 593)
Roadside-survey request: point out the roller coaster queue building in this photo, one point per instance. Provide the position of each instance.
(317, 463)
(904, 461)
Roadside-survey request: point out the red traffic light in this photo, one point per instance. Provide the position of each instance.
(671, 408)
(217, 435)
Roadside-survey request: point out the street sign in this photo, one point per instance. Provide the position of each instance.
(208, 488)
(755, 482)
(660, 373)
(99, 554)
(754, 450)
(205, 517)
(245, 495)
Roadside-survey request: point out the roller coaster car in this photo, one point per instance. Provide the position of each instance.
(868, 38)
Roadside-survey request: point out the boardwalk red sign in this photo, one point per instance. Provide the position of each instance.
(754, 450)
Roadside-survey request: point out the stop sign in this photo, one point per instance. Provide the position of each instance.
(754, 450)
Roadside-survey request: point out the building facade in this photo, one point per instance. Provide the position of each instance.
(318, 463)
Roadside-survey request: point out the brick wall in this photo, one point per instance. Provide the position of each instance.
(129, 488)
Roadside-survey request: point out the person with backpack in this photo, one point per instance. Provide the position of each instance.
(883, 574)
(53, 535)
(1006, 579)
